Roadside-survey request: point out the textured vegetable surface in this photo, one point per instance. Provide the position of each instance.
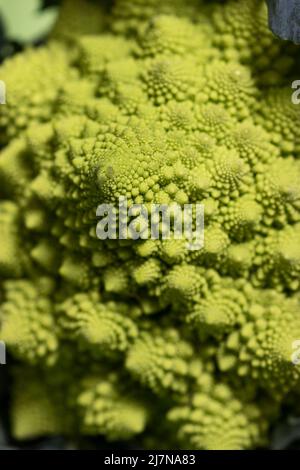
(161, 101)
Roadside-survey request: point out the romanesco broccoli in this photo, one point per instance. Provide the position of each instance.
(165, 102)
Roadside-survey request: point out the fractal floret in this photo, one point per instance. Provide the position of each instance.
(168, 102)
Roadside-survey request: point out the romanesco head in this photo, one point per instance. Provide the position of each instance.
(167, 103)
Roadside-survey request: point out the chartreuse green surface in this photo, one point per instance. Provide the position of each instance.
(160, 101)
(25, 21)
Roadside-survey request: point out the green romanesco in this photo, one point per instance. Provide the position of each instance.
(164, 102)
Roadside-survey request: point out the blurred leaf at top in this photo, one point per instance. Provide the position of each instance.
(25, 21)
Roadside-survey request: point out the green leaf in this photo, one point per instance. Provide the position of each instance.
(25, 21)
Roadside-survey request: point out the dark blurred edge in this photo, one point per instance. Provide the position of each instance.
(50, 3)
(284, 19)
